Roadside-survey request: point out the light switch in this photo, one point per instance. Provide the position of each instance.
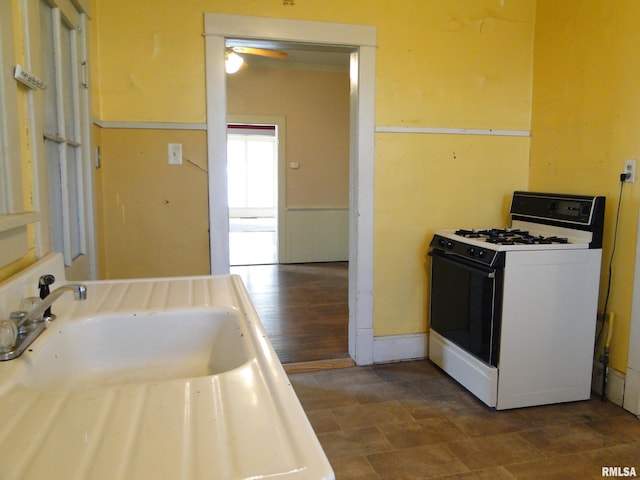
(174, 152)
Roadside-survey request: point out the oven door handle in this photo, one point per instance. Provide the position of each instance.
(461, 261)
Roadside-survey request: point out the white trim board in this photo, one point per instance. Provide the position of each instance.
(632, 391)
(378, 129)
(396, 348)
(151, 125)
(632, 394)
(303, 31)
(454, 131)
(362, 39)
(615, 384)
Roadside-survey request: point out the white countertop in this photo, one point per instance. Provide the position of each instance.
(243, 423)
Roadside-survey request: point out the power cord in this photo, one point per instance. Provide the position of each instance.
(604, 358)
(623, 177)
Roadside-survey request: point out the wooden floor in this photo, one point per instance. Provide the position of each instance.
(303, 307)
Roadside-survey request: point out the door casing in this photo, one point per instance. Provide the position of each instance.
(362, 40)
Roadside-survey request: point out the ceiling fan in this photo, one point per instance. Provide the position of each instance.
(234, 61)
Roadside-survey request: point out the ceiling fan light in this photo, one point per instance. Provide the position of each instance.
(232, 62)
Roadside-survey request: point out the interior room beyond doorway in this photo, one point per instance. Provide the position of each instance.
(252, 185)
(252, 241)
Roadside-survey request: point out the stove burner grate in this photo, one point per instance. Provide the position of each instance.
(503, 236)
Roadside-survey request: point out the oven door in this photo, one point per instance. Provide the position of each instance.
(465, 304)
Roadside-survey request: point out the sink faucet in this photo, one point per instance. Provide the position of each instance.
(36, 314)
(29, 325)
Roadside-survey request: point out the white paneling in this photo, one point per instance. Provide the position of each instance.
(316, 235)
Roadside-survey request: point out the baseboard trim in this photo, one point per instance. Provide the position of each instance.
(632, 391)
(615, 383)
(396, 348)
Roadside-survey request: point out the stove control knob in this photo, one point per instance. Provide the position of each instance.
(471, 251)
(481, 253)
(446, 243)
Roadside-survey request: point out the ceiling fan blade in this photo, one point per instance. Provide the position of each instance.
(263, 52)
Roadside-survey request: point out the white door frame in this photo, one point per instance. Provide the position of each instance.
(632, 375)
(362, 39)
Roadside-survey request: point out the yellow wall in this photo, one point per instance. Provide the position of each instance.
(155, 216)
(586, 118)
(453, 64)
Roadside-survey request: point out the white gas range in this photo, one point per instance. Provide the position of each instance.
(513, 310)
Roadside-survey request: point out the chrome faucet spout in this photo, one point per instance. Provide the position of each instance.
(28, 325)
(79, 293)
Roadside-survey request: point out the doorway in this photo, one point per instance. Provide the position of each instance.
(362, 40)
(252, 180)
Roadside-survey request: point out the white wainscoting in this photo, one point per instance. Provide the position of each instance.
(315, 235)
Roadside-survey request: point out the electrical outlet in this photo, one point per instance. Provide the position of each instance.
(630, 170)
(174, 152)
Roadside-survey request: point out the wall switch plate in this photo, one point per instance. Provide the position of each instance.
(630, 170)
(174, 153)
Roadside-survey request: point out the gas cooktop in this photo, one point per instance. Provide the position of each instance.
(539, 221)
(505, 236)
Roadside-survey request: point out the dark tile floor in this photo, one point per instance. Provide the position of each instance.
(410, 421)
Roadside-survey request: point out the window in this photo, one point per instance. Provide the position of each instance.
(13, 218)
(62, 45)
(7, 194)
(252, 172)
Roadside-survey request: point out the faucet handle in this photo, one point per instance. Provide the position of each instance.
(29, 303)
(8, 335)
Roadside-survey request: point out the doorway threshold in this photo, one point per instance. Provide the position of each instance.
(317, 365)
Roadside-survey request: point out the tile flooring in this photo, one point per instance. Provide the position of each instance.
(410, 421)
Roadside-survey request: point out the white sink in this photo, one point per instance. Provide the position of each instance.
(136, 347)
(147, 379)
